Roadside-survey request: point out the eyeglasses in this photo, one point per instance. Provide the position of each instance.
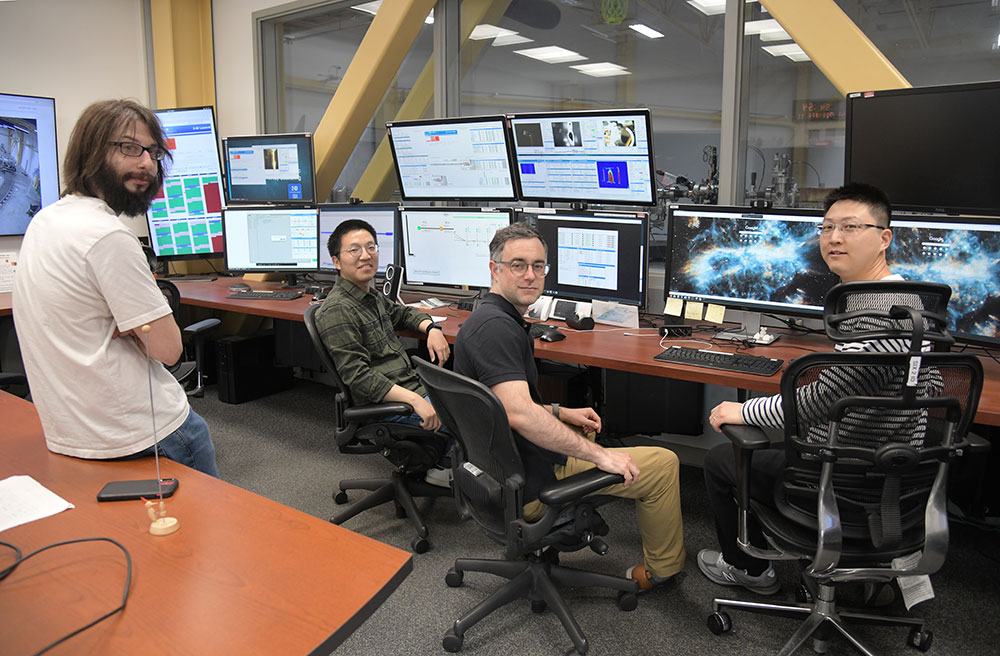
(847, 228)
(132, 149)
(520, 267)
(355, 251)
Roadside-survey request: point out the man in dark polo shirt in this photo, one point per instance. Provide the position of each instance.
(494, 348)
(358, 327)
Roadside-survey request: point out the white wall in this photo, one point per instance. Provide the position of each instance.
(76, 52)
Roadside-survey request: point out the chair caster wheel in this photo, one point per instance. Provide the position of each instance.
(452, 643)
(420, 545)
(719, 623)
(538, 606)
(802, 594)
(340, 498)
(627, 601)
(922, 640)
(454, 578)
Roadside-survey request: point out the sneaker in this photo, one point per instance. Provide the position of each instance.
(714, 566)
(646, 579)
(438, 476)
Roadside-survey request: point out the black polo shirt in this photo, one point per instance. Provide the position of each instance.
(493, 346)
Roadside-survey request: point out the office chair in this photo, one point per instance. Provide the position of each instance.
(184, 371)
(411, 449)
(489, 483)
(866, 476)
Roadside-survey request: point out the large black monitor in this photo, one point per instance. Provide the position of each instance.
(595, 256)
(452, 158)
(29, 172)
(449, 246)
(963, 253)
(747, 259)
(588, 156)
(383, 217)
(270, 169)
(270, 239)
(185, 218)
(931, 149)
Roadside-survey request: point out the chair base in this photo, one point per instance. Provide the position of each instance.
(821, 618)
(401, 490)
(535, 578)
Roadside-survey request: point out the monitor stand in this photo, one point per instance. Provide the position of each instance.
(750, 331)
(292, 282)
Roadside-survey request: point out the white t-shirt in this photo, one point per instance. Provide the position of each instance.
(80, 275)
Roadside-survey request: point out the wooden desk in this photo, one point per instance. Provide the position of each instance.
(602, 347)
(242, 575)
(5, 304)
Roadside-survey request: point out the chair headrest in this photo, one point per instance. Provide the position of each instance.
(888, 309)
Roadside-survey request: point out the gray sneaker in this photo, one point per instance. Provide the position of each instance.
(714, 566)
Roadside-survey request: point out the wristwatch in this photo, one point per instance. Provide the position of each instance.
(432, 326)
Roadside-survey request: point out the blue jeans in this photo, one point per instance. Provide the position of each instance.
(413, 419)
(190, 445)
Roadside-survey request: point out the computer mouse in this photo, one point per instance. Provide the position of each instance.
(552, 335)
(238, 286)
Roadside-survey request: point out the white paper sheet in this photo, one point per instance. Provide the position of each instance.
(23, 500)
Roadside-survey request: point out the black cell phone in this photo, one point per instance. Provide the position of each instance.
(147, 489)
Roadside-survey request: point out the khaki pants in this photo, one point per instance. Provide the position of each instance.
(657, 508)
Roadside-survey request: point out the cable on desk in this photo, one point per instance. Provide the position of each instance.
(128, 581)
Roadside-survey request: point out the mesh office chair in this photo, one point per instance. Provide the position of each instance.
(411, 449)
(489, 482)
(185, 371)
(868, 441)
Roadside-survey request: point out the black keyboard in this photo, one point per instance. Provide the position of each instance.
(738, 362)
(538, 329)
(266, 295)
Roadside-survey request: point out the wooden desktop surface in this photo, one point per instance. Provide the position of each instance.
(602, 347)
(242, 575)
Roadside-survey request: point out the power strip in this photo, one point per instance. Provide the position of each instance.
(675, 330)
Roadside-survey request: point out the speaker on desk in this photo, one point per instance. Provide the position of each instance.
(576, 322)
(393, 281)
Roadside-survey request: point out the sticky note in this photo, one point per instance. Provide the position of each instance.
(693, 310)
(715, 313)
(674, 307)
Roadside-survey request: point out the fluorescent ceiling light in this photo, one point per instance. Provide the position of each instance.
(372, 8)
(791, 50)
(711, 7)
(602, 69)
(487, 31)
(511, 40)
(646, 31)
(552, 54)
(769, 30)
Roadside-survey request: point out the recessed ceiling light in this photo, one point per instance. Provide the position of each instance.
(552, 54)
(511, 40)
(711, 7)
(372, 8)
(646, 31)
(487, 31)
(791, 50)
(769, 30)
(601, 69)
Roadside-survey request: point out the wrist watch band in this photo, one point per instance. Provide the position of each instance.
(555, 410)
(432, 326)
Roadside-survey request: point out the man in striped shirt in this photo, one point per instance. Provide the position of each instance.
(853, 240)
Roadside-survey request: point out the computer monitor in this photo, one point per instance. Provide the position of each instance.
(922, 146)
(271, 239)
(452, 158)
(449, 246)
(595, 255)
(963, 253)
(29, 163)
(381, 216)
(758, 260)
(588, 156)
(185, 218)
(270, 169)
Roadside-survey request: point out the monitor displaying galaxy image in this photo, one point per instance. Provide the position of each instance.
(748, 259)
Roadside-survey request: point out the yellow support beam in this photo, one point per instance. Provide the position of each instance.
(183, 53)
(836, 45)
(372, 69)
(379, 180)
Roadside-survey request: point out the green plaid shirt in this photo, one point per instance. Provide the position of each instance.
(358, 329)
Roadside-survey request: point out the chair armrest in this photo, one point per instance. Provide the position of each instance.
(13, 378)
(201, 326)
(578, 486)
(371, 412)
(750, 438)
(978, 444)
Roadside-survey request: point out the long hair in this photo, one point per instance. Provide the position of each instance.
(100, 123)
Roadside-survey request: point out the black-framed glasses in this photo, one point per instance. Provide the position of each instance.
(520, 267)
(850, 228)
(355, 251)
(132, 149)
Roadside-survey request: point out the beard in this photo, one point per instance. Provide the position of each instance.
(117, 195)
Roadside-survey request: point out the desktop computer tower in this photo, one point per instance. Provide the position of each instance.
(246, 368)
(641, 404)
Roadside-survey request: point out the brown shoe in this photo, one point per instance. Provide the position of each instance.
(644, 577)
